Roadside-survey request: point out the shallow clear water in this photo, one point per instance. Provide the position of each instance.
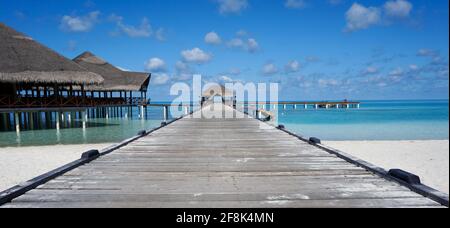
(99, 130)
(376, 120)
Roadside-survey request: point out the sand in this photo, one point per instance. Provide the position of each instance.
(20, 164)
(427, 159)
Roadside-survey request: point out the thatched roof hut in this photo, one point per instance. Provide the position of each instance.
(115, 79)
(23, 60)
(218, 91)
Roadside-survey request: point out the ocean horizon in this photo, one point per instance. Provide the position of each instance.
(375, 120)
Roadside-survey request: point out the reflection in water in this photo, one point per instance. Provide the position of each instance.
(58, 136)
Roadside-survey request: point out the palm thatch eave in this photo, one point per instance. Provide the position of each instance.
(23, 60)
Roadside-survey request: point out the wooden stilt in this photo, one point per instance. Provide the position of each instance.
(17, 121)
(57, 119)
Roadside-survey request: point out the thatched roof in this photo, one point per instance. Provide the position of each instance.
(115, 79)
(218, 90)
(23, 60)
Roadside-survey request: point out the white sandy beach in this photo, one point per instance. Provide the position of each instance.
(19, 164)
(427, 159)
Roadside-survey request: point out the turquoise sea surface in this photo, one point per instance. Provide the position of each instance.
(375, 120)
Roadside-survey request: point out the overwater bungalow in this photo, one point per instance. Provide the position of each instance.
(218, 94)
(37, 81)
(34, 76)
(118, 83)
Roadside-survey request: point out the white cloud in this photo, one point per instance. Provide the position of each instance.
(270, 69)
(292, 67)
(196, 55)
(361, 17)
(160, 34)
(182, 67)
(398, 8)
(155, 65)
(371, 70)
(226, 79)
(424, 52)
(312, 59)
(235, 71)
(213, 38)
(143, 30)
(295, 4)
(160, 79)
(242, 33)
(413, 67)
(79, 23)
(236, 43)
(328, 83)
(252, 45)
(232, 6)
(396, 72)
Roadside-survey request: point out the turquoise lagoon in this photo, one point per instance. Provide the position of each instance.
(375, 120)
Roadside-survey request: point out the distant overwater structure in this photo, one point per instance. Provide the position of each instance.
(40, 88)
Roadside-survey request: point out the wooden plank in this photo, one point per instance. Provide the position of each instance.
(220, 163)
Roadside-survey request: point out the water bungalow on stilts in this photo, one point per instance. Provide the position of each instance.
(119, 86)
(41, 89)
(218, 94)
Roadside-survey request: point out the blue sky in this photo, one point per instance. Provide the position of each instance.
(315, 49)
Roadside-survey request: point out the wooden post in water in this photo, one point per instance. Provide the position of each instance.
(48, 120)
(84, 118)
(58, 124)
(141, 111)
(69, 118)
(31, 120)
(5, 121)
(17, 121)
(166, 113)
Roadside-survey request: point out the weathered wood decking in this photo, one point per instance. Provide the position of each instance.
(220, 163)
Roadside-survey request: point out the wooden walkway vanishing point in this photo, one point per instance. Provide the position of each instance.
(219, 163)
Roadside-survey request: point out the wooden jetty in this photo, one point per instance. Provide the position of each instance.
(310, 104)
(221, 162)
